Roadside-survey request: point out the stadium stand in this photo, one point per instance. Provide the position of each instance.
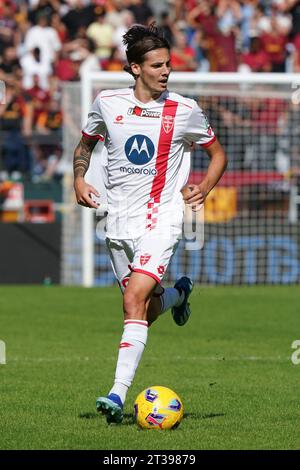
(46, 44)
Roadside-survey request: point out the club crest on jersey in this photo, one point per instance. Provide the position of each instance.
(168, 123)
(139, 149)
(143, 112)
(144, 259)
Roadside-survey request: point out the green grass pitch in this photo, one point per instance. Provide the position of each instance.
(231, 365)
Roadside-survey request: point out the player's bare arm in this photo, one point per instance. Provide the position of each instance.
(195, 194)
(81, 162)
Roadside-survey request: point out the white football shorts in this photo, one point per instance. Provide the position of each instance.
(146, 254)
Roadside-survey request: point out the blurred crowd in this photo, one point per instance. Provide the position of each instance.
(44, 43)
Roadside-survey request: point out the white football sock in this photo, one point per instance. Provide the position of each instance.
(171, 298)
(131, 349)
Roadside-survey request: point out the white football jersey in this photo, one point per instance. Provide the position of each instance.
(147, 156)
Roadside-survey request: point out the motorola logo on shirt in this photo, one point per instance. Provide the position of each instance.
(139, 149)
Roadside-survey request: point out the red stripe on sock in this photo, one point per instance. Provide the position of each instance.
(125, 345)
(137, 322)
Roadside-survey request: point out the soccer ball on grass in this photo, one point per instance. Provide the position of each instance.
(158, 408)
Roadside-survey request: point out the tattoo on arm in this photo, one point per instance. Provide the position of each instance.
(82, 156)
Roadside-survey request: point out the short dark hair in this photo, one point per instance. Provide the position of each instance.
(141, 39)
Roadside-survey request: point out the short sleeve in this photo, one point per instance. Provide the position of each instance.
(95, 127)
(198, 128)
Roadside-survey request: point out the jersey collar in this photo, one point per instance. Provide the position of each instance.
(161, 99)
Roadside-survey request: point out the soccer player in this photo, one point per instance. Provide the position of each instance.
(147, 131)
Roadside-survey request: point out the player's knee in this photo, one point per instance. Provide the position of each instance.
(133, 305)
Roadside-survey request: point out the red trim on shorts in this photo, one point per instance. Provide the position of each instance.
(210, 142)
(93, 137)
(163, 151)
(156, 278)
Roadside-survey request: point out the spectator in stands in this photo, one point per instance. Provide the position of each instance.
(292, 7)
(248, 9)
(221, 52)
(220, 44)
(8, 25)
(114, 63)
(256, 60)
(10, 67)
(200, 46)
(39, 98)
(229, 15)
(16, 119)
(142, 12)
(203, 14)
(127, 20)
(51, 119)
(46, 41)
(296, 54)
(274, 44)
(79, 16)
(45, 38)
(166, 26)
(66, 69)
(90, 61)
(183, 57)
(61, 29)
(34, 66)
(102, 34)
(43, 7)
(20, 34)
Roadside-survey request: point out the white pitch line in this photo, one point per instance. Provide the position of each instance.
(234, 358)
(181, 358)
(47, 359)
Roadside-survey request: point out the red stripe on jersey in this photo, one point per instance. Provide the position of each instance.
(210, 142)
(93, 137)
(163, 149)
